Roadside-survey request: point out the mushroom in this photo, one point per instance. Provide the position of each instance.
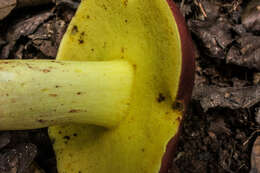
(116, 94)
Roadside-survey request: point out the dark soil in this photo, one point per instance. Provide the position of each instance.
(221, 125)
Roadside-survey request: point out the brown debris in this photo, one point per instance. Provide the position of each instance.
(160, 98)
(214, 35)
(46, 70)
(2, 42)
(5, 139)
(34, 168)
(18, 159)
(211, 9)
(218, 127)
(6, 6)
(185, 9)
(48, 37)
(251, 16)
(74, 111)
(247, 54)
(233, 98)
(26, 3)
(213, 140)
(69, 3)
(257, 118)
(23, 28)
(256, 79)
(255, 157)
(21, 150)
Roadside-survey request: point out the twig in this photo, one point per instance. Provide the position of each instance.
(251, 136)
(198, 3)
(182, 4)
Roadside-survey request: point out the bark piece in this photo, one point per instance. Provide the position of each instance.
(233, 98)
(6, 6)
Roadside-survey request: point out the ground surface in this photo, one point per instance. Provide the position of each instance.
(221, 125)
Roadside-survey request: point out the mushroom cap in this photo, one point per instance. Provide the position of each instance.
(145, 33)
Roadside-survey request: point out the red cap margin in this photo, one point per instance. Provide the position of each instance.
(186, 80)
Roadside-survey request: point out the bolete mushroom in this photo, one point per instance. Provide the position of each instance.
(123, 78)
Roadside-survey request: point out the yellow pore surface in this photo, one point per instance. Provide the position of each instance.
(144, 33)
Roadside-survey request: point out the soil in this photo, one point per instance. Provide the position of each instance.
(223, 120)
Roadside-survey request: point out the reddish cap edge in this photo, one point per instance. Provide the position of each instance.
(186, 81)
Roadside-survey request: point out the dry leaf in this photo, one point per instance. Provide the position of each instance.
(6, 6)
(23, 28)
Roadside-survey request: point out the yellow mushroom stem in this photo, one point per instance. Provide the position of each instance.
(40, 93)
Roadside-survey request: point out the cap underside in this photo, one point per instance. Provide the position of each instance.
(145, 34)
